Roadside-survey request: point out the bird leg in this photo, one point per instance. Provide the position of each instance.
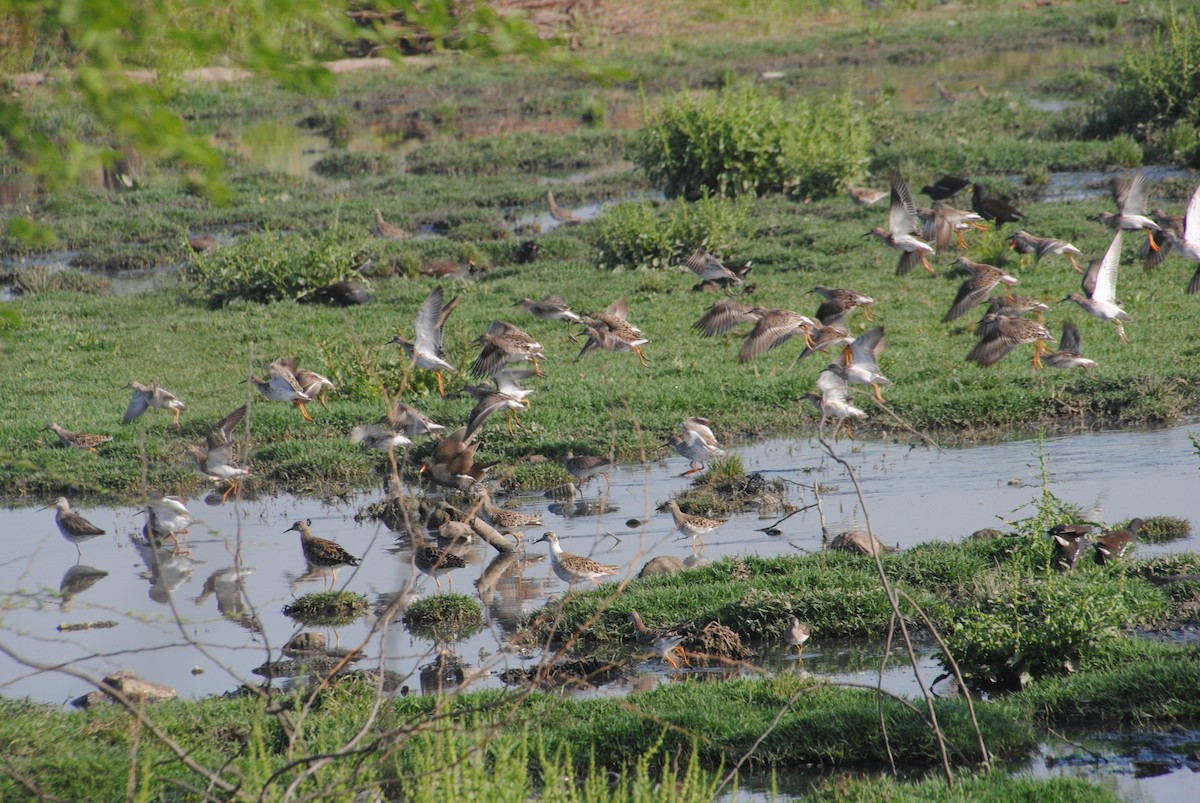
(536, 370)
(925, 262)
(1150, 240)
(441, 387)
(1074, 264)
(1008, 291)
(303, 412)
(978, 225)
(847, 355)
(642, 357)
(176, 412)
(231, 489)
(870, 316)
(878, 392)
(692, 469)
(1121, 331)
(961, 242)
(321, 399)
(1037, 354)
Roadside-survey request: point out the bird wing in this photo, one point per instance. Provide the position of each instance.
(618, 309)
(867, 346)
(902, 216)
(771, 330)
(832, 385)
(222, 431)
(721, 317)
(973, 291)
(1133, 200)
(220, 456)
(488, 405)
(1071, 342)
(1191, 219)
(506, 380)
(992, 348)
(137, 405)
(426, 322)
(1105, 278)
(283, 376)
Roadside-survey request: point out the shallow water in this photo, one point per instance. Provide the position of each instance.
(914, 495)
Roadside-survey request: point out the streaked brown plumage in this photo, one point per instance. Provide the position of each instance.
(78, 440)
(1003, 334)
(662, 641)
(839, 303)
(551, 308)
(723, 316)
(573, 569)
(562, 215)
(387, 230)
(864, 196)
(452, 464)
(977, 287)
(692, 525)
(1025, 243)
(504, 343)
(281, 385)
(322, 553)
(217, 460)
(775, 327)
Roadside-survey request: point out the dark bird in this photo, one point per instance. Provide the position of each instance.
(946, 187)
(1066, 544)
(342, 294)
(990, 207)
(1114, 543)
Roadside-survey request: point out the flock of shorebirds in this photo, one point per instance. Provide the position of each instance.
(506, 350)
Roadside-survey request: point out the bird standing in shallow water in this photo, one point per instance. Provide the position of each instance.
(583, 466)
(692, 525)
(74, 527)
(321, 553)
(662, 641)
(796, 634)
(696, 442)
(572, 569)
(562, 215)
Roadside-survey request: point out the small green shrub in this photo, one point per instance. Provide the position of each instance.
(1156, 85)
(1125, 151)
(1179, 144)
(341, 164)
(636, 234)
(275, 266)
(327, 608)
(1047, 626)
(742, 141)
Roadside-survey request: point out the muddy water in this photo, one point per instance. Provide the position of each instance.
(203, 618)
